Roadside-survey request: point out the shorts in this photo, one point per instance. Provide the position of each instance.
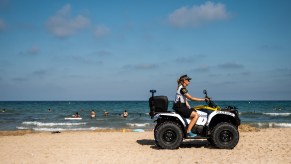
(184, 111)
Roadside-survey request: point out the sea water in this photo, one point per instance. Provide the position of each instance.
(49, 115)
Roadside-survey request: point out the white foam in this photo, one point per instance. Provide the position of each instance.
(278, 114)
(22, 128)
(275, 125)
(53, 123)
(138, 124)
(285, 125)
(63, 129)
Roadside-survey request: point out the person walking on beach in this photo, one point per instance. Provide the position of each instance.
(182, 106)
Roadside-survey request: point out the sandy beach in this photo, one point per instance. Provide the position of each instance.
(255, 146)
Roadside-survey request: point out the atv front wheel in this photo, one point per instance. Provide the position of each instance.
(210, 140)
(169, 135)
(225, 136)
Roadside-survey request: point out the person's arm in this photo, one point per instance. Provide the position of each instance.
(194, 98)
(187, 104)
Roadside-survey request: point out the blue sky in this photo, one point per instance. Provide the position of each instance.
(119, 50)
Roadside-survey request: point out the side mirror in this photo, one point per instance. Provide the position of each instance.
(205, 92)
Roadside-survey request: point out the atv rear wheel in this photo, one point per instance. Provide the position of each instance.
(155, 132)
(169, 135)
(225, 136)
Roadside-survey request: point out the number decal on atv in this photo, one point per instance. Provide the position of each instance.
(227, 113)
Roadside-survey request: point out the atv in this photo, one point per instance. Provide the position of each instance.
(218, 125)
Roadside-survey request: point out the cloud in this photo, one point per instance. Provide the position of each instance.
(202, 69)
(197, 15)
(141, 66)
(63, 25)
(86, 60)
(190, 59)
(246, 73)
(4, 5)
(230, 66)
(40, 73)
(285, 72)
(34, 50)
(103, 53)
(2, 25)
(19, 79)
(101, 31)
(270, 47)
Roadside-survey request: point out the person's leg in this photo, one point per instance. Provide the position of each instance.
(194, 117)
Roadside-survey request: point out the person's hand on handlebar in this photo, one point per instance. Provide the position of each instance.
(204, 99)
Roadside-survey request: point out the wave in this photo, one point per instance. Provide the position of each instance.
(60, 129)
(138, 124)
(22, 128)
(278, 114)
(274, 125)
(264, 113)
(250, 113)
(52, 123)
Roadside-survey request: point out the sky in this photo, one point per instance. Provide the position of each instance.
(120, 49)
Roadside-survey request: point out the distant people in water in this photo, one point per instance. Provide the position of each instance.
(125, 114)
(277, 108)
(76, 115)
(3, 110)
(49, 110)
(106, 113)
(93, 114)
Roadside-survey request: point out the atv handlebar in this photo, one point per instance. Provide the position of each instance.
(210, 103)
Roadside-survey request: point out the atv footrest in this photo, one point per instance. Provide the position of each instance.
(197, 137)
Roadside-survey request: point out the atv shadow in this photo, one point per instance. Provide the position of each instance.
(196, 144)
(144, 142)
(184, 144)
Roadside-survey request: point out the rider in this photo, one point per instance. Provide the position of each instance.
(182, 106)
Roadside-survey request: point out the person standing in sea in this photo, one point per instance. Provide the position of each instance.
(182, 106)
(125, 114)
(92, 114)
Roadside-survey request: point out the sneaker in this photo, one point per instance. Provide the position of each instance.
(191, 135)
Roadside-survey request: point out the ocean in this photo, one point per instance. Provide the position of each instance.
(49, 115)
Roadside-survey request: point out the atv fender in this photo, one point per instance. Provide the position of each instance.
(216, 113)
(172, 115)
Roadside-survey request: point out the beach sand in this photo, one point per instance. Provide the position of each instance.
(255, 146)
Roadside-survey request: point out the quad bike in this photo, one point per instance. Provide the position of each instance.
(218, 125)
